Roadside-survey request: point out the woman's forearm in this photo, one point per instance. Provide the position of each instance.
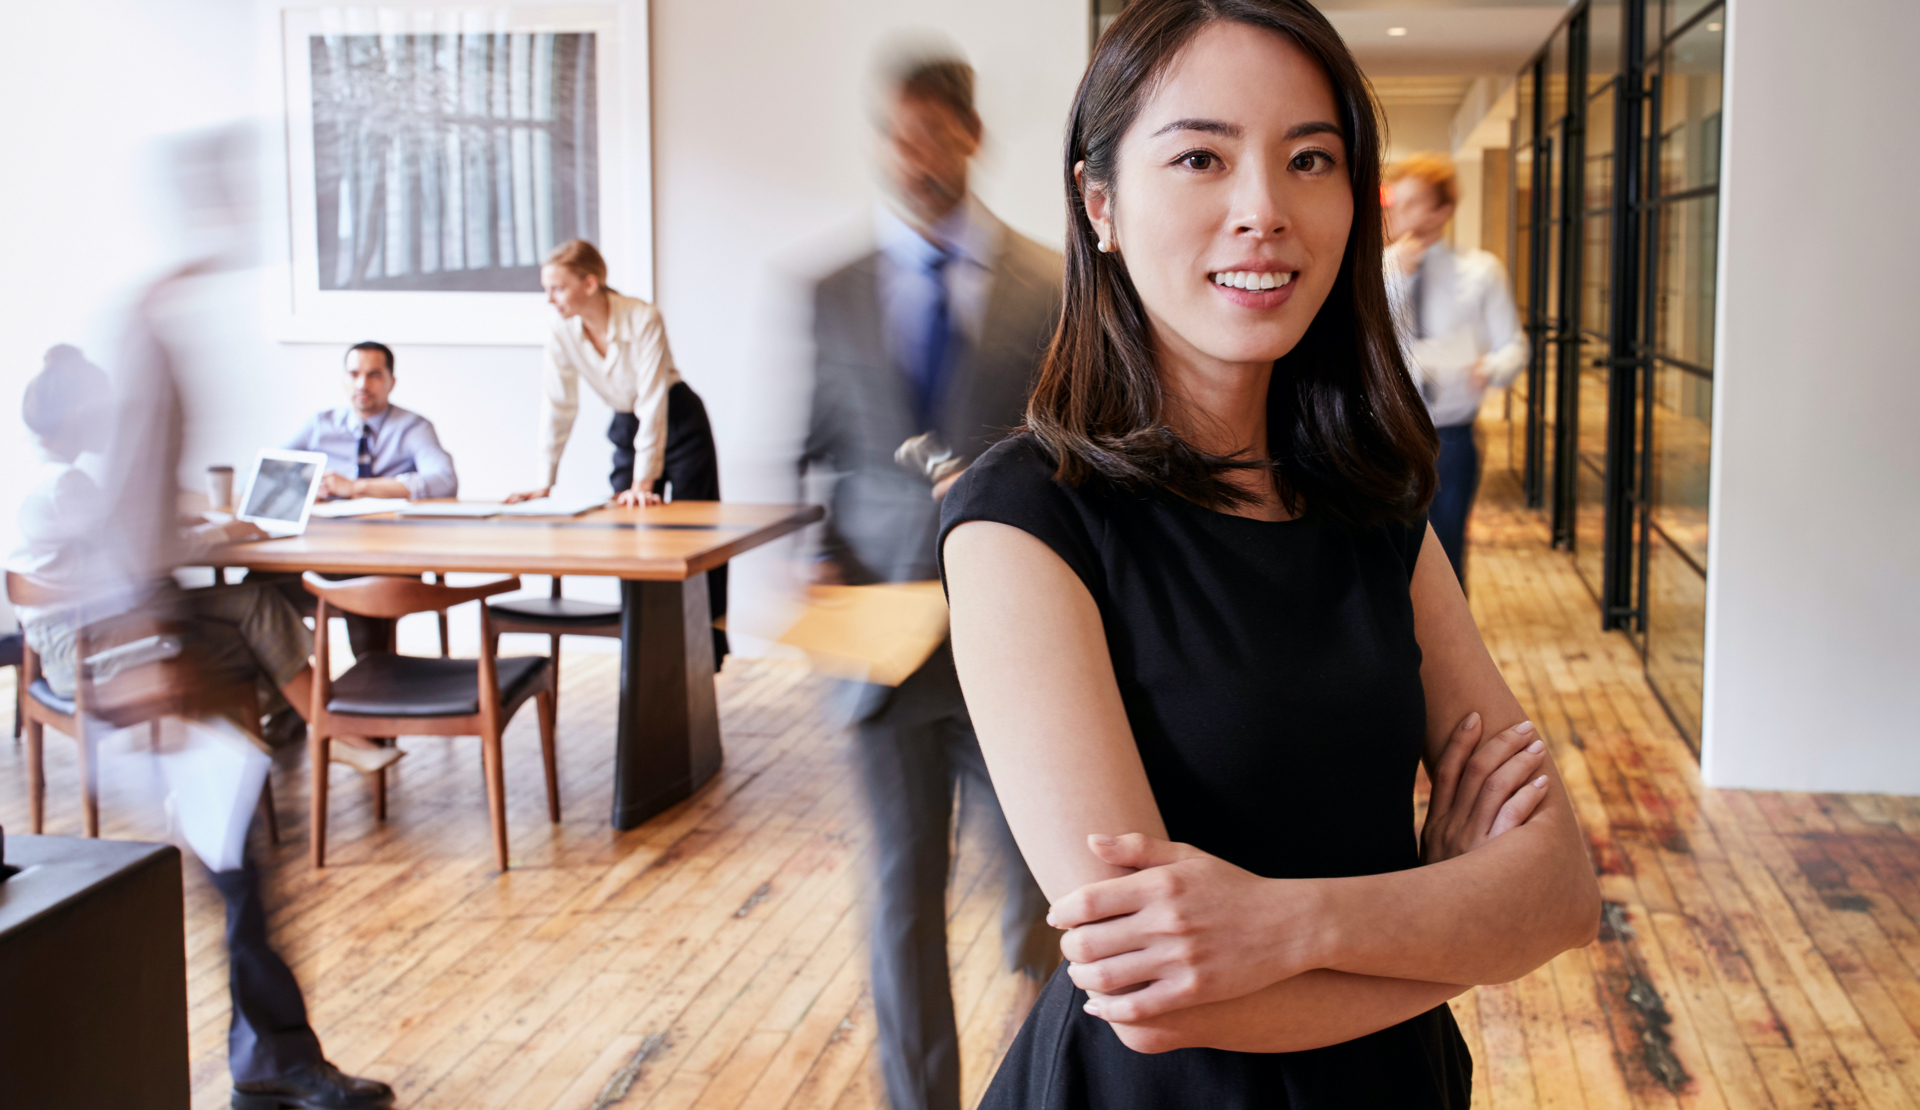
(1489, 916)
(1312, 1010)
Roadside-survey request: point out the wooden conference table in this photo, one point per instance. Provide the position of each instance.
(667, 739)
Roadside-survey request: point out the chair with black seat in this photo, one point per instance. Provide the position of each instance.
(172, 684)
(388, 694)
(554, 616)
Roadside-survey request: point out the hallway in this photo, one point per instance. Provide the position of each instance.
(1762, 950)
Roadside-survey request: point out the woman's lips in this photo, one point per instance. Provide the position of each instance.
(1230, 283)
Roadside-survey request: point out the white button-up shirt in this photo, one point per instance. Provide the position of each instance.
(1468, 316)
(633, 376)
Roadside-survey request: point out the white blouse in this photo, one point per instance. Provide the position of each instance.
(633, 376)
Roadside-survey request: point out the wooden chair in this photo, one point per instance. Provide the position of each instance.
(12, 647)
(172, 687)
(554, 616)
(387, 694)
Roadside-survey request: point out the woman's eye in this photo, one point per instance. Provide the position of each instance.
(1308, 161)
(1197, 160)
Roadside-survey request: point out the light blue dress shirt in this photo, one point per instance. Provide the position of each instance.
(907, 289)
(404, 447)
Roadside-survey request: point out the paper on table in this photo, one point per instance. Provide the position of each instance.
(878, 634)
(452, 508)
(358, 506)
(553, 506)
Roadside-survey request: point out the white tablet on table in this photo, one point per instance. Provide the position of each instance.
(281, 489)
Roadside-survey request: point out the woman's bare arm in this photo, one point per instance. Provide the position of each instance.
(1032, 655)
(1518, 901)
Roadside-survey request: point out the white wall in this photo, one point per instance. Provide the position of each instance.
(1813, 604)
(761, 150)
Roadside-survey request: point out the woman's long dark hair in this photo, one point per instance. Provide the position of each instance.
(1348, 435)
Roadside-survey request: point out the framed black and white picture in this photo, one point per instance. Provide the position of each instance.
(435, 155)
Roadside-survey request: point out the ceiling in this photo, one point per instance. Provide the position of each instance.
(1475, 38)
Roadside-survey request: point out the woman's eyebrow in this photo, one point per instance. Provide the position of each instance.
(1210, 126)
(1317, 127)
(1234, 131)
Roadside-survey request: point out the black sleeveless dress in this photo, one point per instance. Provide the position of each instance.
(1272, 680)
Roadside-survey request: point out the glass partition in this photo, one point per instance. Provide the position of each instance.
(1615, 249)
(1683, 222)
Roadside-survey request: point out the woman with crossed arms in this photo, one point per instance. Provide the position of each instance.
(1206, 634)
(618, 345)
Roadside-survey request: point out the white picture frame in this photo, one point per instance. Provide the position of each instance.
(303, 311)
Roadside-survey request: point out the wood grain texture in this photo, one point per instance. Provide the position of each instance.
(1763, 950)
(666, 543)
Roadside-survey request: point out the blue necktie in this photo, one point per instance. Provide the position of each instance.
(929, 369)
(366, 453)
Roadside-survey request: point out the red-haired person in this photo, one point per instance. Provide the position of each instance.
(1460, 329)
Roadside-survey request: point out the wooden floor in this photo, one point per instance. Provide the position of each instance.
(1761, 950)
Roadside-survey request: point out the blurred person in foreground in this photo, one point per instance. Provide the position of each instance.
(213, 771)
(1459, 327)
(932, 338)
(77, 541)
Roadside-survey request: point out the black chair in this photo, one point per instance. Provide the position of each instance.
(385, 694)
(554, 616)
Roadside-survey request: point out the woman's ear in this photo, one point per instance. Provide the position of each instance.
(1098, 204)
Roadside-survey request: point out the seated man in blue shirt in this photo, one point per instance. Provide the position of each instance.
(375, 448)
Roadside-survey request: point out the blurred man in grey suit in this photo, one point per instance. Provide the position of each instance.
(933, 338)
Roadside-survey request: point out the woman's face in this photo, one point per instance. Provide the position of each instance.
(1231, 203)
(568, 290)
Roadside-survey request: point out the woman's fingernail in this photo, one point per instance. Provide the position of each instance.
(1092, 1007)
(1536, 747)
(1105, 841)
(1541, 782)
(1472, 721)
(1523, 726)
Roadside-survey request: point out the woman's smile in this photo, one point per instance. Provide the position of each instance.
(1256, 285)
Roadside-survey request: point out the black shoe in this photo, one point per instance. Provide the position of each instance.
(284, 728)
(313, 1087)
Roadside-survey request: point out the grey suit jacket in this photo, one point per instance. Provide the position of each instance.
(882, 520)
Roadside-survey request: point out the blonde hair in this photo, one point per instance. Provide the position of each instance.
(582, 258)
(1431, 169)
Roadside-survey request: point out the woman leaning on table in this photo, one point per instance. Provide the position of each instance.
(618, 345)
(1206, 635)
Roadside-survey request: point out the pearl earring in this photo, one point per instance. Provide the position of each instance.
(1105, 246)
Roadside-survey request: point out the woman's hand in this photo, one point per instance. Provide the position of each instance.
(1186, 928)
(529, 495)
(1482, 788)
(633, 497)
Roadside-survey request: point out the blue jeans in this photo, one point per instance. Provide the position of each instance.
(1459, 467)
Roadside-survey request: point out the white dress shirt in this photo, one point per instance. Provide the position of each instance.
(907, 289)
(633, 376)
(1467, 315)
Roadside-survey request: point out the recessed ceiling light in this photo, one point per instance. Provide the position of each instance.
(1396, 32)
(1715, 27)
